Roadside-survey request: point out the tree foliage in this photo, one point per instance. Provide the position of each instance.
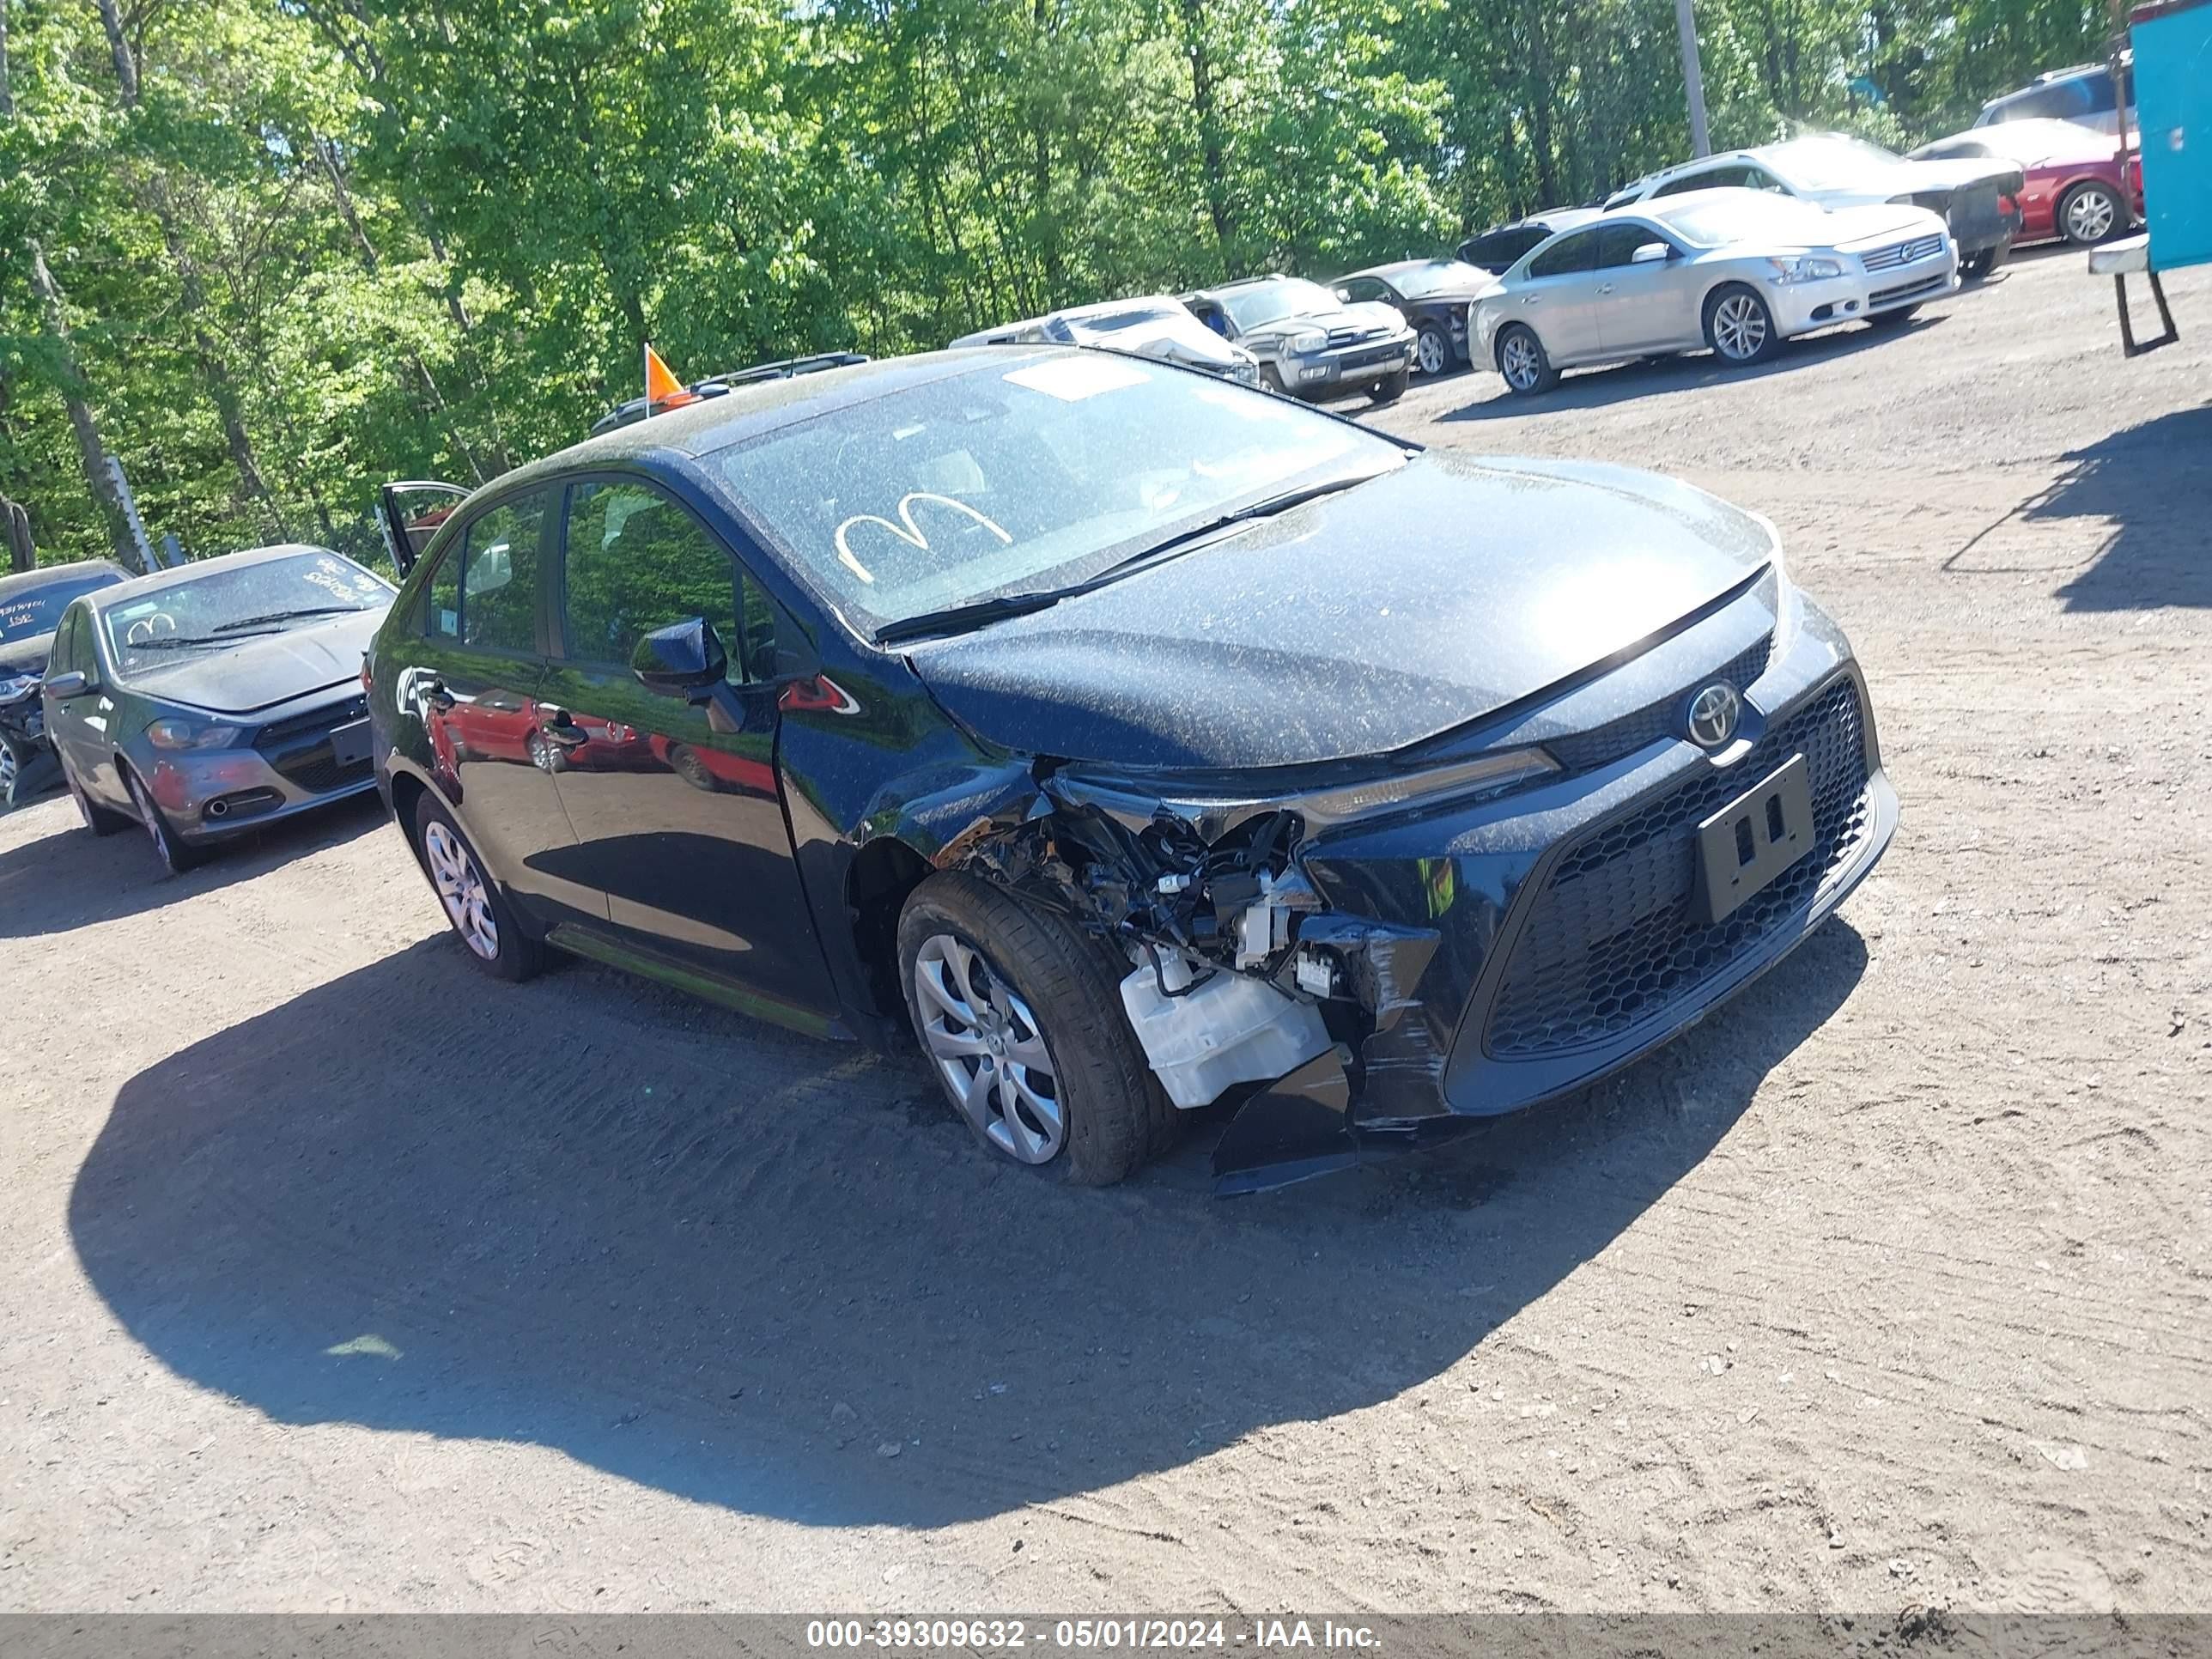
(292, 248)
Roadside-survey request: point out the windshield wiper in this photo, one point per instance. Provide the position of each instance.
(287, 615)
(958, 618)
(171, 642)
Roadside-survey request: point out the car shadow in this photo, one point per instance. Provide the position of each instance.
(2152, 484)
(69, 878)
(1655, 377)
(777, 1277)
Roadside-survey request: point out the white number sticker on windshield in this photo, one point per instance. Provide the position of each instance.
(906, 530)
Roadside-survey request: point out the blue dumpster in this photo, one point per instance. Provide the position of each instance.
(2172, 45)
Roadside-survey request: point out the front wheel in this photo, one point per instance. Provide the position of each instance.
(1523, 362)
(1739, 328)
(1432, 351)
(1019, 1014)
(1391, 387)
(100, 820)
(473, 904)
(168, 847)
(2089, 214)
(1976, 266)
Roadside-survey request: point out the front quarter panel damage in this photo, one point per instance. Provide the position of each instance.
(1188, 893)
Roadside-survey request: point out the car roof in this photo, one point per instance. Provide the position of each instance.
(1234, 283)
(178, 575)
(1398, 267)
(2041, 137)
(748, 411)
(28, 581)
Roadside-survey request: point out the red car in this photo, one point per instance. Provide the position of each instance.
(2076, 189)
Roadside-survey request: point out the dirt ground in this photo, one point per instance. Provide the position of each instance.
(333, 1278)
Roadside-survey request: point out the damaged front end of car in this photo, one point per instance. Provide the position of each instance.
(1242, 971)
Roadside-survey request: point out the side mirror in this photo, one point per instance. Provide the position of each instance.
(63, 686)
(681, 658)
(1652, 253)
(1345, 295)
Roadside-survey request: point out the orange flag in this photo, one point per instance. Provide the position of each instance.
(662, 388)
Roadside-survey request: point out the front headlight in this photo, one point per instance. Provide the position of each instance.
(1306, 342)
(175, 733)
(1805, 268)
(17, 686)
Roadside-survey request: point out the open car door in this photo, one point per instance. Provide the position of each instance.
(409, 514)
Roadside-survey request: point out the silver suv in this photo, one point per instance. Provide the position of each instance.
(1309, 342)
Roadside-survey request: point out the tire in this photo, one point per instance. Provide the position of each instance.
(2089, 214)
(1046, 985)
(502, 949)
(545, 753)
(683, 761)
(1391, 387)
(1978, 266)
(1272, 381)
(168, 847)
(1739, 327)
(1432, 350)
(1523, 362)
(1897, 318)
(100, 820)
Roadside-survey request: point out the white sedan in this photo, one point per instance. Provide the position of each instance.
(1737, 271)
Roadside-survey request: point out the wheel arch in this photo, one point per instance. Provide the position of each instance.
(882, 874)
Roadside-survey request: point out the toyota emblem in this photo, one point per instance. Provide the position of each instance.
(1713, 714)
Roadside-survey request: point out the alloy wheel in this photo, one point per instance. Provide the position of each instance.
(150, 816)
(7, 770)
(1429, 351)
(461, 890)
(1739, 327)
(2090, 215)
(985, 1042)
(1519, 362)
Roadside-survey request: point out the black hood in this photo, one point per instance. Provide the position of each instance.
(25, 656)
(262, 671)
(1357, 624)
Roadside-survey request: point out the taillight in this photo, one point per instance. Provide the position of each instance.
(368, 676)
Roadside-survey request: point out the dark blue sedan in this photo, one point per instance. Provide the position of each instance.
(1124, 737)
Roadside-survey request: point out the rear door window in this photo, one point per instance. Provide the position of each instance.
(484, 591)
(1567, 256)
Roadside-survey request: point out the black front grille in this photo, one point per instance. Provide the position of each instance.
(1902, 253)
(1602, 745)
(315, 723)
(1883, 296)
(1613, 941)
(318, 771)
(299, 750)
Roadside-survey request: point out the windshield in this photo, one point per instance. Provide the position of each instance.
(27, 614)
(1013, 479)
(1829, 161)
(1284, 296)
(1437, 276)
(1749, 215)
(232, 603)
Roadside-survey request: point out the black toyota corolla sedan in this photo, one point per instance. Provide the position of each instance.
(1130, 738)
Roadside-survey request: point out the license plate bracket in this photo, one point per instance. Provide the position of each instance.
(1742, 847)
(350, 742)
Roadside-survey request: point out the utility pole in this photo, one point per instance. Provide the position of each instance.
(1694, 79)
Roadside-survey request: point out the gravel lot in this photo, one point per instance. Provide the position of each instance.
(333, 1278)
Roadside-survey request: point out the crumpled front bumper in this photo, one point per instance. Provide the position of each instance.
(1564, 943)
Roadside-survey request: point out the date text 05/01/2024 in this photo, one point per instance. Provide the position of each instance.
(1010, 1635)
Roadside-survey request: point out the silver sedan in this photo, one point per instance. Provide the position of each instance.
(1737, 271)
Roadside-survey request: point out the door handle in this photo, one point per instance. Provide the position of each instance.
(1528, 299)
(1605, 287)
